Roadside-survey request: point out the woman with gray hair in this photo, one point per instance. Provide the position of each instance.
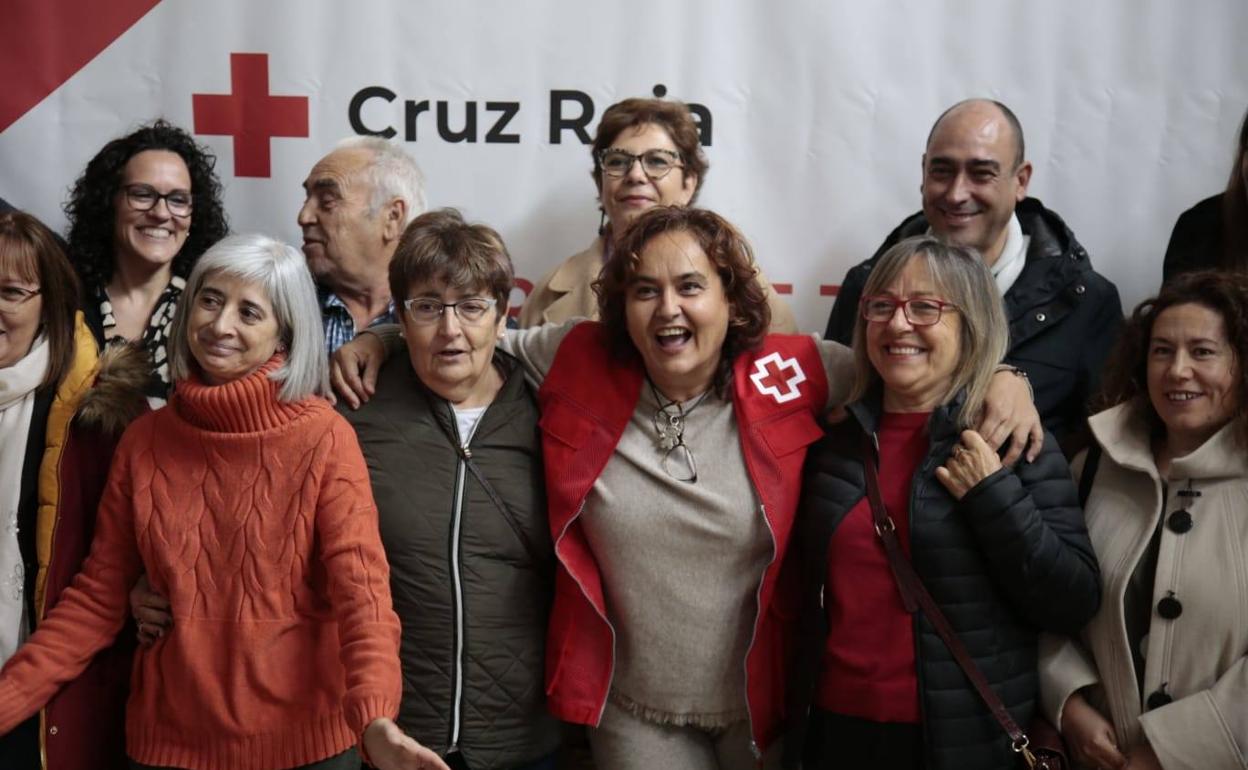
(247, 503)
(904, 495)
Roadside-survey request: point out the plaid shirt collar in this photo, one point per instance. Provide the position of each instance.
(339, 325)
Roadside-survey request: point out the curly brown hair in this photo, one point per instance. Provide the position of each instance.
(726, 248)
(90, 208)
(672, 117)
(1126, 372)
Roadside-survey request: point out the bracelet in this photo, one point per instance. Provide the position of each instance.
(1018, 373)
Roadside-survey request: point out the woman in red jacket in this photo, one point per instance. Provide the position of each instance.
(246, 502)
(674, 432)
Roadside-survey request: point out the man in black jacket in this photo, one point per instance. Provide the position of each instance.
(1064, 316)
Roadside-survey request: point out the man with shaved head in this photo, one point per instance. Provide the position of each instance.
(1064, 316)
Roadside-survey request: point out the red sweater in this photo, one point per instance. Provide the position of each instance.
(255, 518)
(868, 661)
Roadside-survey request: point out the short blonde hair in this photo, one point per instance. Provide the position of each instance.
(283, 274)
(963, 279)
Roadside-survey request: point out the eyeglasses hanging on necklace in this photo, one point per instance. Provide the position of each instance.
(669, 424)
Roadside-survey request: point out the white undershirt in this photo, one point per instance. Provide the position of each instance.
(467, 419)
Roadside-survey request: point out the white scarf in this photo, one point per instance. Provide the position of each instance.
(1009, 264)
(17, 403)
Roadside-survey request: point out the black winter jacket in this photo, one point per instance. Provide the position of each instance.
(471, 575)
(1196, 240)
(1010, 560)
(1064, 316)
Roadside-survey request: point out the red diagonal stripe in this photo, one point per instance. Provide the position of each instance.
(43, 43)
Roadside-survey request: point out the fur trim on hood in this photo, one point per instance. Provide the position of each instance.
(117, 397)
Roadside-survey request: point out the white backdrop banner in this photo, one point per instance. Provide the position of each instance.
(814, 112)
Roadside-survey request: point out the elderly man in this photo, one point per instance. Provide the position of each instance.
(1064, 316)
(360, 198)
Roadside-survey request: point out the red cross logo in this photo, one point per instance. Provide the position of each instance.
(770, 378)
(250, 114)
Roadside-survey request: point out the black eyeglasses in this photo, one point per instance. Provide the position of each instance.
(919, 311)
(142, 197)
(656, 163)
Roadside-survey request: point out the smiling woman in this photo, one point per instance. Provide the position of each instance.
(1159, 677)
(1002, 549)
(673, 434)
(256, 522)
(62, 408)
(146, 206)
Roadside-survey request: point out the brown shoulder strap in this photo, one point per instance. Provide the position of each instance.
(914, 593)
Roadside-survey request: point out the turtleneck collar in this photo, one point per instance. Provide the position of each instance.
(249, 404)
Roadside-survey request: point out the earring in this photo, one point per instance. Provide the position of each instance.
(602, 221)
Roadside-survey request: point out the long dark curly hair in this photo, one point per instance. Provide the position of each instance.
(92, 216)
(728, 252)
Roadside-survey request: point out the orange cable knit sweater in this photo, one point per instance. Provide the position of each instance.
(255, 518)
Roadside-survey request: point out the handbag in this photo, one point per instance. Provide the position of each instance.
(1041, 746)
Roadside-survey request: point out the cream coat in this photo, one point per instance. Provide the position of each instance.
(1201, 657)
(567, 292)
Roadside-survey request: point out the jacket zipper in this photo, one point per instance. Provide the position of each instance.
(611, 628)
(457, 588)
(919, 679)
(758, 614)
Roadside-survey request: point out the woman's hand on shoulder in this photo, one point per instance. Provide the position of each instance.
(1091, 737)
(1010, 415)
(353, 368)
(971, 461)
(389, 748)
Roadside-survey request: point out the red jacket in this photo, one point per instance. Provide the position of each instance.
(586, 401)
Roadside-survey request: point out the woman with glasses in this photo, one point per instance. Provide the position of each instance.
(247, 502)
(451, 441)
(146, 206)
(646, 153)
(1001, 548)
(673, 434)
(62, 408)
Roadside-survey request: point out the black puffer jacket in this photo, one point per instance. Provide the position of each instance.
(1009, 560)
(453, 548)
(1064, 316)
